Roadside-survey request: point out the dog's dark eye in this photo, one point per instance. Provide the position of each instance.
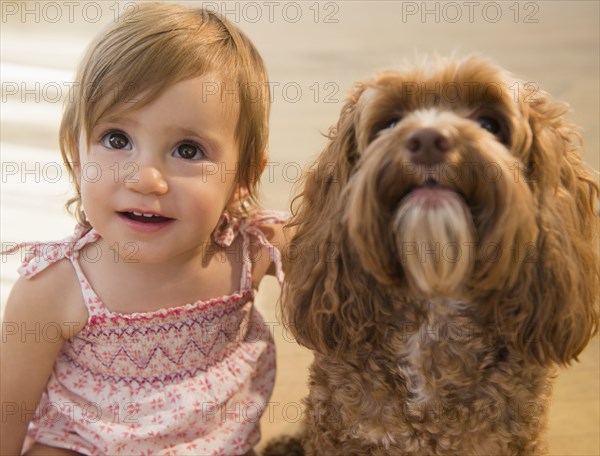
(489, 123)
(384, 124)
(391, 123)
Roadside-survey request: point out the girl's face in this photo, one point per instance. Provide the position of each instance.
(154, 181)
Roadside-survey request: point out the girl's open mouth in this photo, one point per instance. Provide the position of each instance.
(145, 222)
(145, 218)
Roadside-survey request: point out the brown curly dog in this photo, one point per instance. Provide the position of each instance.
(445, 265)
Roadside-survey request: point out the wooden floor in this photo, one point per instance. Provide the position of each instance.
(314, 52)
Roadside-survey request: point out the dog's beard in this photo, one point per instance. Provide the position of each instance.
(434, 235)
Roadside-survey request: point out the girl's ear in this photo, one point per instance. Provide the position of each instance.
(238, 200)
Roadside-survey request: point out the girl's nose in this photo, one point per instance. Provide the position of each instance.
(147, 180)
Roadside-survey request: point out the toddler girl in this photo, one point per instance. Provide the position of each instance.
(160, 350)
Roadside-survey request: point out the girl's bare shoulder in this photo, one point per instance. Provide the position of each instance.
(53, 296)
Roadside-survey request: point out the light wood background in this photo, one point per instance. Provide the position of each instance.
(314, 52)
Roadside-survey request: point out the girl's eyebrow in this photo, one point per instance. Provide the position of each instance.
(184, 131)
(176, 129)
(117, 120)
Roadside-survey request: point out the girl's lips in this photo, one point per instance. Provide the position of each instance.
(144, 222)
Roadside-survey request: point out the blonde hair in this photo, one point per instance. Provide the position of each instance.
(147, 51)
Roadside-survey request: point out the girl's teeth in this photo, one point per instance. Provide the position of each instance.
(140, 214)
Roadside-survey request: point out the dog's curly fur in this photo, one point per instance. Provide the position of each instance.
(440, 281)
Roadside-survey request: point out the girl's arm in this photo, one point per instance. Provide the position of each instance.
(41, 313)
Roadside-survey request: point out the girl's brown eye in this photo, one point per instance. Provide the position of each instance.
(188, 151)
(116, 140)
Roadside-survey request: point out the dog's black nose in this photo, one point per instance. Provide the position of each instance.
(427, 146)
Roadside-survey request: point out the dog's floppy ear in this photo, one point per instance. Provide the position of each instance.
(560, 315)
(324, 294)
